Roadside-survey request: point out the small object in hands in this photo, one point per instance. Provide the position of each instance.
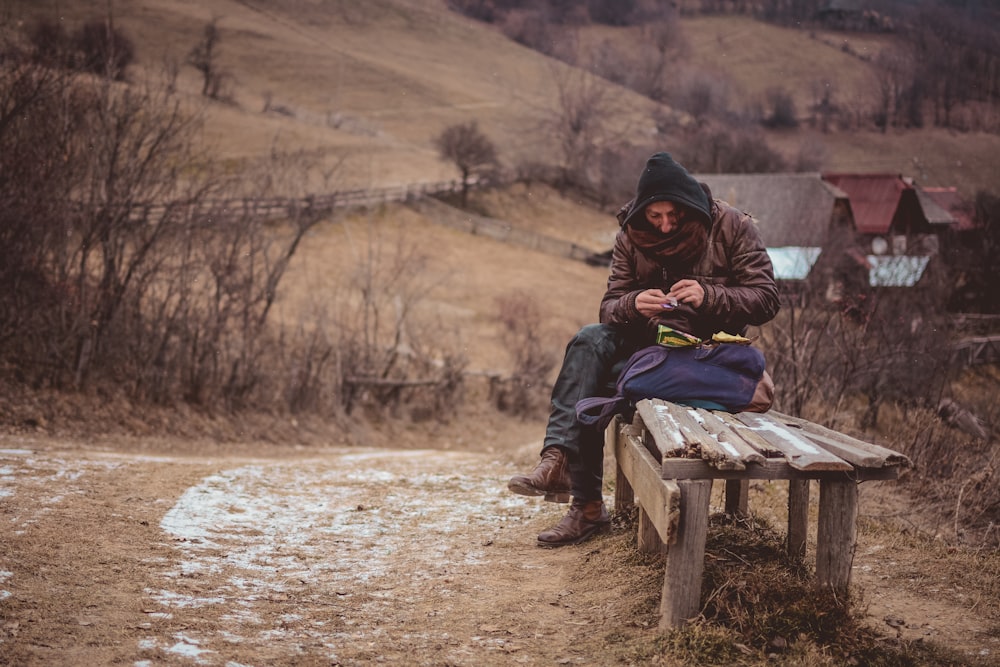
(670, 304)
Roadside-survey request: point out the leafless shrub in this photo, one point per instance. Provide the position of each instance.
(530, 28)
(103, 49)
(50, 44)
(781, 110)
(97, 47)
(470, 150)
(204, 57)
(579, 124)
(888, 345)
(391, 360)
(700, 95)
(35, 230)
(734, 149)
(525, 391)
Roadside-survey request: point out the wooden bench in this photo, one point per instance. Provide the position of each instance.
(668, 457)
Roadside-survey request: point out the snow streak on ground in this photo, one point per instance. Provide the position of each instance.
(338, 541)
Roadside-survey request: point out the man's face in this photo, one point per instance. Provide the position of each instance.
(664, 215)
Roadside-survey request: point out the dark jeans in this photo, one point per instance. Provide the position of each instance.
(593, 360)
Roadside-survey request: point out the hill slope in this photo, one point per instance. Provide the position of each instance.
(372, 83)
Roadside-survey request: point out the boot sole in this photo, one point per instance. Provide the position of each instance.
(599, 530)
(523, 489)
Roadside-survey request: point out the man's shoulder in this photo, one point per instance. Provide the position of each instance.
(729, 217)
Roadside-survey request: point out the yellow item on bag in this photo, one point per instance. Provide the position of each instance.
(723, 337)
(673, 338)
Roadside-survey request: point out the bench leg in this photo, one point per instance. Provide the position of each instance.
(837, 534)
(686, 557)
(624, 493)
(647, 538)
(737, 497)
(798, 517)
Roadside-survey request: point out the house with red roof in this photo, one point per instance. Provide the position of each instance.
(899, 225)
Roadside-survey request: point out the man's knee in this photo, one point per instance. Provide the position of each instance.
(597, 336)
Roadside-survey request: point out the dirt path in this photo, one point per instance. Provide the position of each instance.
(339, 556)
(344, 557)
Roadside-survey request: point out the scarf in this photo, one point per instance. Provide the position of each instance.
(677, 251)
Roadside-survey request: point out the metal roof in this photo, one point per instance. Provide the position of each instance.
(934, 212)
(874, 199)
(790, 209)
(793, 263)
(896, 271)
(952, 202)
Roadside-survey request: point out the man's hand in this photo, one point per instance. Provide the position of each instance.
(653, 302)
(687, 291)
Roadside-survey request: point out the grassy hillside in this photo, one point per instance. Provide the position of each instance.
(758, 56)
(372, 83)
(460, 276)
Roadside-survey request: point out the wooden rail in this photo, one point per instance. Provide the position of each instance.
(279, 207)
(668, 457)
(977, 350)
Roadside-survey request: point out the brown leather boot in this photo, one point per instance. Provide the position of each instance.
(583, 521)
(550, 478)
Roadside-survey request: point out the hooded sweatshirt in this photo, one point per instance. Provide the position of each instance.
(663, 179)
(734, 268)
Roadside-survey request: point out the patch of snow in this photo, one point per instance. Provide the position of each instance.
(187, 648)
(372, 530)
(4, 576)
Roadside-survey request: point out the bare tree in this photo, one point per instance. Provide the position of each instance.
(103, 49)
(388, 356)
(894, 75)
(526, 390)
(655, 69)
(579, 122)
(468, 149)
(204, 57)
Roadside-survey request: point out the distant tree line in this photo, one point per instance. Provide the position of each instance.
(944, 69)
(97, 47)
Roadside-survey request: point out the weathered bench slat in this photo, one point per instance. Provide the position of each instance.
(661, 497)
(745, 432)
(800, 452)
(858, 452)
(673, 428)
(770, 469)
(732, 443)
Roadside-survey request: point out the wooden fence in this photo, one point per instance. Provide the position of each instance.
(977, 350)
(278, 207)
(421, 193)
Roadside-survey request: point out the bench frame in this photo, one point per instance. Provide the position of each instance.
(673, 495)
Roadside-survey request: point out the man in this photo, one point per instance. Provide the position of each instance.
(681, 259)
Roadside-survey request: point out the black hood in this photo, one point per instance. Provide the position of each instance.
(663, 179)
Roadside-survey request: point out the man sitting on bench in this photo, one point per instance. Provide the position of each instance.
(681, 260)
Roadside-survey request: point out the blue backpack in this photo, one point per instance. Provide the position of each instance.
(726, 376)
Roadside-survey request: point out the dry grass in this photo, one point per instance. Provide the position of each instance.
(759, 57)
(464, 274)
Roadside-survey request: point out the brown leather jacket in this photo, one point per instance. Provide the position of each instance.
(735, 272)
